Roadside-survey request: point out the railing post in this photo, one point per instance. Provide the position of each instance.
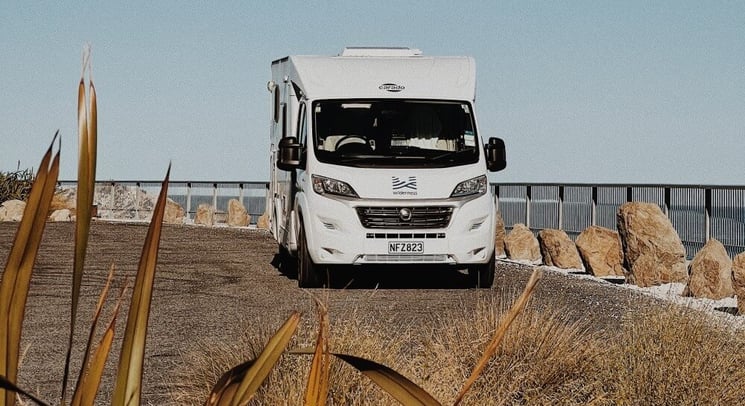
(668, 199)
(496, 197)
(137, 200)
(214, 197)
(527, 207)
(113, 199)
(707, 209)
(594, 207)
(188, 199)
(561, 207)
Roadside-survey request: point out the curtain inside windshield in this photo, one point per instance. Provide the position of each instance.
(394, 133)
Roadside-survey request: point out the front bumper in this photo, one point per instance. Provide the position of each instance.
(336, 234)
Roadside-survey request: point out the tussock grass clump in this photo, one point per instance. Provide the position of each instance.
(677, 356)
(544, 359)
(15, 185)
(203, 363)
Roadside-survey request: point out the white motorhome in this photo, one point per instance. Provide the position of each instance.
(376, 159)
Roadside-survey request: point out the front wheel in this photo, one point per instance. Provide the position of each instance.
(308, 273)
(482, 275)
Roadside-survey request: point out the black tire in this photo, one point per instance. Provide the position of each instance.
(482, 275)
(308, 273)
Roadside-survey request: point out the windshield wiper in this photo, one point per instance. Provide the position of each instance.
(452, 155)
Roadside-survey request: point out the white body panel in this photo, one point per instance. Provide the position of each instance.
(333, 226)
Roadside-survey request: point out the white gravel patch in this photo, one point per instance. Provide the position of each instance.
(724, 310)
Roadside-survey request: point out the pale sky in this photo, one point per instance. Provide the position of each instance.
(581, 91)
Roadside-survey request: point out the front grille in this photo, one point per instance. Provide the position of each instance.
(427, 258)
(390, 217)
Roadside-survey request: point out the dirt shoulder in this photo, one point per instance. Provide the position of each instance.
(212, 283)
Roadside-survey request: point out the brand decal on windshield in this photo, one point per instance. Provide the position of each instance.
(404, 186)
(391, 87)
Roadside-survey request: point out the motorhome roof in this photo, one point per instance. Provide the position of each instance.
(380, 72)
(380, 51)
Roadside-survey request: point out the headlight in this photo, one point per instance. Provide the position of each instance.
(471, 187)
(323, 185)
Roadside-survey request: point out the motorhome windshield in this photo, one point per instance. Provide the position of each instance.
(394, 133)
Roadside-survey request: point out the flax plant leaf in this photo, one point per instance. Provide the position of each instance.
(10, 387)
(90, 374)
(16, 278)
(400, 387)
(239, 385)
(491, 348)
(128, 389)
(395, 384)
(87, 151)
(317, 389)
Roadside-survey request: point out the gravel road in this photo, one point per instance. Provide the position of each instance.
(211, 282)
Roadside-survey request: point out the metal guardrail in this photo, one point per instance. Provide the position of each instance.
(697, 212)
(135, 199)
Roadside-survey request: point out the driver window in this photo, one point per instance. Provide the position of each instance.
(301, 127)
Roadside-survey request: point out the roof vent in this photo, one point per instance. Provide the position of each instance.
(380, 51)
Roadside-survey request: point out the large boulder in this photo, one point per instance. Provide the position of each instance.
(500, 233)
(237, 214)
(12, 210)
(128, 202)
(205, 215)
(263, 222)
(711, 273)
(521, 244)
(558, 249)
(738, 280)
(652, 248)
(174, 213)
(61, 215)
(601, 251)
(64, 199)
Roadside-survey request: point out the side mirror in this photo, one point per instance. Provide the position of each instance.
(289, 154)
(496, 155)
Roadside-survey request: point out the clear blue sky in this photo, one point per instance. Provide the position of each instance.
(581, 91)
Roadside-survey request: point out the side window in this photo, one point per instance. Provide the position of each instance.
(284, 120)
(276, 104)
(302, 132)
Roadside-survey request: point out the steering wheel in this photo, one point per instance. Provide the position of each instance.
(350, 139)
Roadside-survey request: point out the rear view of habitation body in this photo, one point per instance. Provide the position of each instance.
(376, 159)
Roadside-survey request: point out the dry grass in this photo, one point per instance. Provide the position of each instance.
(677, 356)
(665, 356)
(544, 360)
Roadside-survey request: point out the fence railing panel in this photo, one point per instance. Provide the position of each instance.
(728, 218)
(577, 209)
(697, 213)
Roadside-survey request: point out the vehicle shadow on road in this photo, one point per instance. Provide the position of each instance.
(384, 276)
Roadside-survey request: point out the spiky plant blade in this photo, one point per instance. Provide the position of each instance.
(19, 266)
(89, 383)
(392, 382)
(223, 392)
(317, 389)
(128, 388)
(11, 387)
(87, 140)
(252, 374)
(84, 379)
(491, 348)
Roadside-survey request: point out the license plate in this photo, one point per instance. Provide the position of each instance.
(405, 247)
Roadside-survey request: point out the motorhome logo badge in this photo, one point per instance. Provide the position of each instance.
(404, 214)
(391, 87)
(404, 186)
